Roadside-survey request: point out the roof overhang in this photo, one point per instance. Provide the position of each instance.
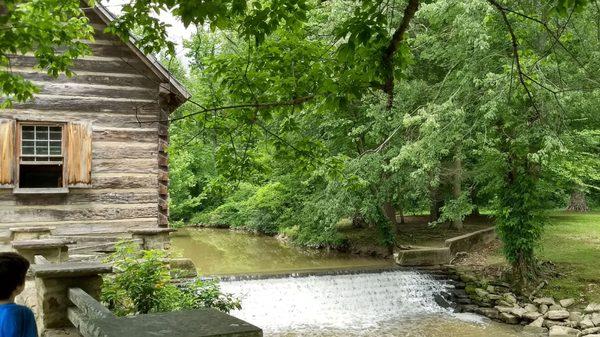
(169, 83)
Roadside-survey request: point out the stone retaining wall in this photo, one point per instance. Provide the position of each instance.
(467, 242)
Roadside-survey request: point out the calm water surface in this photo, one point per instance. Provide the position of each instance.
(226, 252)
(388, 304)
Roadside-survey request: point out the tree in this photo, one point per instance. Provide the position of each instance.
(337, 108)
(54, 31)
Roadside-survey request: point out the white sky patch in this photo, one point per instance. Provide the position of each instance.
(176, 31)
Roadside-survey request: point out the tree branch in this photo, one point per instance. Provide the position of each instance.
(515, 51)
(392, 48)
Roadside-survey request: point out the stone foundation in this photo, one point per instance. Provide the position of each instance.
(153, 238)
(52, 249)
(29, 233)
(53, 282)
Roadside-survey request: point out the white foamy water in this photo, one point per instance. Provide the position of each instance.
(348, 302)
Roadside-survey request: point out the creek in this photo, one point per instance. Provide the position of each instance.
(291, 292)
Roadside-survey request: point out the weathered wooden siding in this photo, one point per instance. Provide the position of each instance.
(117, 94)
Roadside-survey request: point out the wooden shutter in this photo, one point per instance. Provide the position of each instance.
(78, 154)
(7, 152)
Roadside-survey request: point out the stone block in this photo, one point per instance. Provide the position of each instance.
(518, 311)
(509, 318)
(544, 300)
(53, 250)
(423, 257)
(590, 331)
(530, 307)
(557, 314)
(29, 233)
(53, 282)
(586, 323)
(566, 302)
(153, 238)
(591, 308)
(575, 316)
(197, 323)
(539, 322)
(563, 331)
(532, 315)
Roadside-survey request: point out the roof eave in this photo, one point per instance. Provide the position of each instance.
(180, 93)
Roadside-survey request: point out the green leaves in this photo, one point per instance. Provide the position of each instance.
(142, 283)
(51, 30)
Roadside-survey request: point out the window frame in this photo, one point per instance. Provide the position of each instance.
(19, 155)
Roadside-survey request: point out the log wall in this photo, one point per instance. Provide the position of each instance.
(119, 95)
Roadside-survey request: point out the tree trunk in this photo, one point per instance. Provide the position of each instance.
(358, 221)
(436, 204)
(457, 223)
(578, 202)
(401, 211)
(390, 213)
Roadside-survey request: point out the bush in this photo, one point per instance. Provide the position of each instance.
(264, 209)
(142, 284)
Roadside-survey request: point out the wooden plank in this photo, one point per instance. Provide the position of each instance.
(163, 189)
(163, 205)
(124, 150)
(163, 145)
(85, 212)
(90, 307)
(7, 151)
(163, 220)
(163, 176)
(163, 160)
(140, 135)
(101, 119)
(95, 90)
(125, 165)
(82, 196)
(117, 180)
(78, 151)
(89, 77)
(92, 63)
(91, 227)
(87, 103)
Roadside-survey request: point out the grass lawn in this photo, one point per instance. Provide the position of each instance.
(572, 242)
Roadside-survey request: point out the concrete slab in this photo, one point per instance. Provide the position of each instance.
(424, 256)
(193, 323)
(467, 242)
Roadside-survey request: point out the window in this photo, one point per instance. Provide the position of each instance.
(41, 156)
(45, 157)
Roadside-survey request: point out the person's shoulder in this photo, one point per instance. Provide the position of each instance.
(17, 308)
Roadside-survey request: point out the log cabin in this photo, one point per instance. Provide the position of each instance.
(88, 154)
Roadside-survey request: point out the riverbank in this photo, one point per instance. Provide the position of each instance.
(569, 249)
(415, 231)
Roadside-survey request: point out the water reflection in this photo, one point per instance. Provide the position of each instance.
(225, 252)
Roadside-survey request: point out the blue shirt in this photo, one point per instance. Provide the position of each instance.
(17, 321)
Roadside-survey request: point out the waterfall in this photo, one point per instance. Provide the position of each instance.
(336, 302)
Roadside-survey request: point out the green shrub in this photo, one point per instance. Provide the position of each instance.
(142, 284)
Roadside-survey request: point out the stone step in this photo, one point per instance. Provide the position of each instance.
(101, 247)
